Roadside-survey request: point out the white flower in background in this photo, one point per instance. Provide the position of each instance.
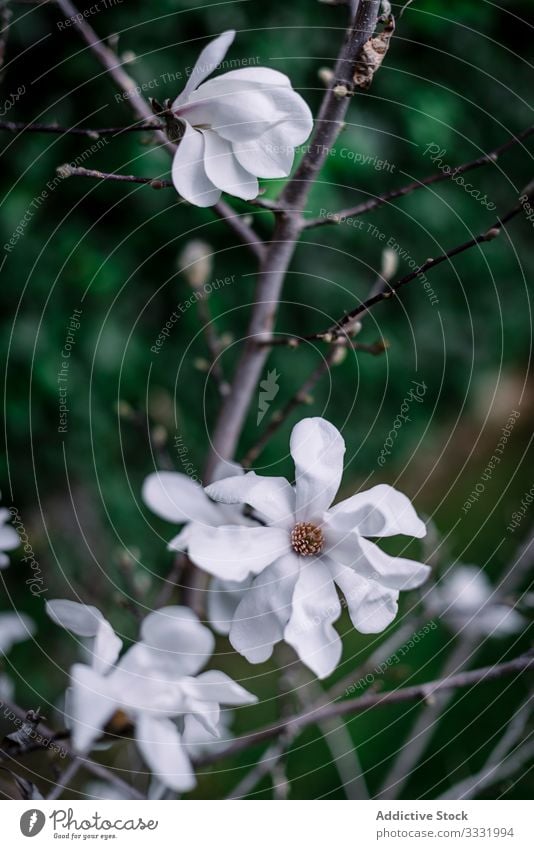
(9, 538)
(238, 126)
(14, 628)
(304, 549)
(468, 602)
(153, 683)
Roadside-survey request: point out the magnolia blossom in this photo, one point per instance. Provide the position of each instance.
(237, 127)
(155, 686)
(467, 601)
(9, 539)
(304, 549)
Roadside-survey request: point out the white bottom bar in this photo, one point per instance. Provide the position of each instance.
(231, 825)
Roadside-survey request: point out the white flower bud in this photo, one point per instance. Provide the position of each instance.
(195, 263)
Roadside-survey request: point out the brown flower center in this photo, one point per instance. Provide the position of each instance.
(307, 538)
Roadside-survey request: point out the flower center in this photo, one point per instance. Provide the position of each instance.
(307, 538)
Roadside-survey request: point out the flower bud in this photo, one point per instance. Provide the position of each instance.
(195, 263)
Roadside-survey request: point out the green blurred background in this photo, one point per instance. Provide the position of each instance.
(457, 76)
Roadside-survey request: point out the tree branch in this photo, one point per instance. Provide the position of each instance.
(245, 233)
(281, 248)
(351, 707)
(92, 132)
(339, 329)
(374, 203)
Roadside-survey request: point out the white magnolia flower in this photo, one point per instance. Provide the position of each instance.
(152, 684)
(238, 126)
(9, 539)
(14, 628)
(304, 549)
(466, 600)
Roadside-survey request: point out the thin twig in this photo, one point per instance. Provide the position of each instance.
(213, 344)
(351, 707)
(340, 328)
(504, 759)
(77, 171)
(302, 396)
(374, 203)
(92, 132)
(374, 348)
(63, 780)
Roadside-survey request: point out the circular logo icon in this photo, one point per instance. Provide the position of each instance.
(32, 822)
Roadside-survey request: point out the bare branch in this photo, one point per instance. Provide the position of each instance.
(374, 203)
(66, 776)
(67, 170)
(340, 328)
(91, 132)
(351, 707)
(245, 233)
(281, 248)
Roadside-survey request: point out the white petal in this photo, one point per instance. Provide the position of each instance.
(273, 497)
(14, 628)
(146, 679)
(232, 552)
(211, 56)
(315, 606)
(227, 469)
(177, 498)
(223, 600)
(4, 560)
(371, 606)
(9, 538)
(179, 639)
(260, 76)
(161, 746)
(317, 448)
(270, 155)
(369, 561)
(239, 110)
(82, 619)
(215, 686)
(234, 109)
(497, 620)
(224, 170)
(198, 741)
(261, 617)
(188, 172)
(87, 621)
(92, 703)
(181, 540)
(380, 512)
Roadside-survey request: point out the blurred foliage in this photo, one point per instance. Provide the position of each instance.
(454, 76)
